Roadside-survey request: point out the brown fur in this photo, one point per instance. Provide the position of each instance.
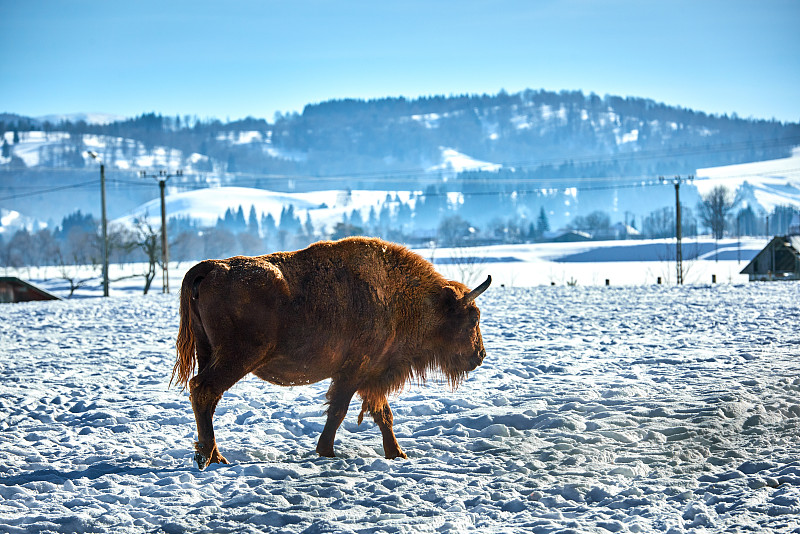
(366, 313)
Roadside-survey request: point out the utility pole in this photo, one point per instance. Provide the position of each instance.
(162, 178)
(739, 238)
(104, 219)
(677, 181)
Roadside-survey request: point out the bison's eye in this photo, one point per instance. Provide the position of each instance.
(474, 317)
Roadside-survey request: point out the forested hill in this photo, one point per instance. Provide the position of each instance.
(532, 128)
(508, 144)
(568, 134)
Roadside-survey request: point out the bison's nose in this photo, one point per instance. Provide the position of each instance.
(477, 359)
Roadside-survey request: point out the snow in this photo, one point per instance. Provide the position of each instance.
(621, 409)
(633, 262)
(242, 137)
(326, 208)
(11, 221)
(31, 144)
(89, 118)
(9, 217)
(764, 184)
(588, 263)
(455, 162)
(629, 137)
(430, 120)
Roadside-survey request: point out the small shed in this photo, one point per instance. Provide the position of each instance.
(12, 289)
(779, 260)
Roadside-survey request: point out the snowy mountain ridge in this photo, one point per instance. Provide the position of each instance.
(508, 156)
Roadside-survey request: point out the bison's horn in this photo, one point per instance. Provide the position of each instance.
(472, 295)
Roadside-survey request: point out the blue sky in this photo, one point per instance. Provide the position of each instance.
(233, 59)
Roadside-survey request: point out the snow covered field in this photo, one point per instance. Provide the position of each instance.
(590, 263)
(620, 409)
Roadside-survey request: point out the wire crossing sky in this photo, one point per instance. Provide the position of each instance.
(254, 58)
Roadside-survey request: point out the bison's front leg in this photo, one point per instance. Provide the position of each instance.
(339, 396)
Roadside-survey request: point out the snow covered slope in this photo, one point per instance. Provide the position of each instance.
(762, 185)
(648, 409)
(326, 208)
(53, 149)
(11, 221)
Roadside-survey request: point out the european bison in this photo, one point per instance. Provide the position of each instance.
(366, 313)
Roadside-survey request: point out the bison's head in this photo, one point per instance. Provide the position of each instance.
(460, 347)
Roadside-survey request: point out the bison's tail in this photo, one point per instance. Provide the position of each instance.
(187, 356)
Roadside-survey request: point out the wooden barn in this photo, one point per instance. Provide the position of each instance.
(12, 289)
(779, 260)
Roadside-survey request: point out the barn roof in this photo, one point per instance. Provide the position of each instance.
(13, 289)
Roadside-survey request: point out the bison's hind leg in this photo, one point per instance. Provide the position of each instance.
(204, 402)
(378, 407)
(225, 367)
(339, 395)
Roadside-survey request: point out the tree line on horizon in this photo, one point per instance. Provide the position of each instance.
(76, 242)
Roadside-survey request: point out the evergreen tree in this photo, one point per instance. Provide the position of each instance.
(385, 217)
(746, 223)
(404, 214)
(252, 221)
(75, 221)
(430, 208)
(372, 221)
(268, 226)
(356, 219)
(308, 227)
(542, 224)
(780, 219)
(229, 220)
(289, 222)
(240, 224)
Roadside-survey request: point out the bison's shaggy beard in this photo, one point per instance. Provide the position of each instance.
(439, 369)
(433, 368)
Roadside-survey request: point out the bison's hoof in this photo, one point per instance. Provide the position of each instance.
(396, 454)
(203, 459)
(326, 452)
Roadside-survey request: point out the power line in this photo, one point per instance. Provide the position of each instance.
(51, 190)
(553, 183)
(413, 175)
(514, 165)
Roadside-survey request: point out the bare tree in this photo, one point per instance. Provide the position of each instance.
(148, 240)
(78, 259)
(714, 210)
(74, 272)
(468, 266)
(20, 250)
(453, 231)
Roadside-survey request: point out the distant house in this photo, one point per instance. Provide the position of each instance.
(13, 289)
(624, 231)
(566, 235)
(780, 259)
